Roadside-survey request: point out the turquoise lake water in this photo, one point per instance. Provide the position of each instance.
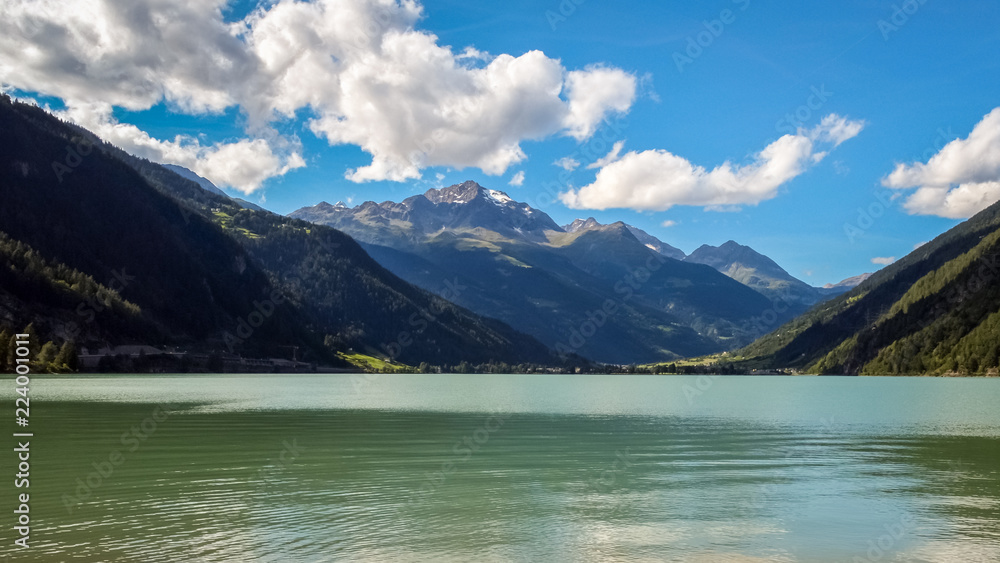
(323, 468)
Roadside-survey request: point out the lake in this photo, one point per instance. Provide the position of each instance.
(323, 468)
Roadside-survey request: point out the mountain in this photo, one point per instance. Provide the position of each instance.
(207, 185)
(936, 311)
(759, 272)
(740, 263)
(513, 263)
(172, 263)
(463, 206)
(95, 228)
(651, 242)
(849, 283)
(582, 225)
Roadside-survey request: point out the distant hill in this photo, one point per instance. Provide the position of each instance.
(849, 283)
(642, 236)
(936, 311)
(759, 272)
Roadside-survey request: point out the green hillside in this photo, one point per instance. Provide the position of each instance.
(180, 266)
(935, 312)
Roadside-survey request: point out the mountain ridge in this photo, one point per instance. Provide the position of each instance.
(935, 311)
(755, 270)
(203, 271)
(544, 279)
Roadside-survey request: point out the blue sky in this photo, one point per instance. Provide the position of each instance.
(912, 82)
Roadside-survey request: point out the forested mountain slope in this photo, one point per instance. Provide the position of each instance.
(936, 311)
(180, 265)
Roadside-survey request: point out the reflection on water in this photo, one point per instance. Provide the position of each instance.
(462, 468)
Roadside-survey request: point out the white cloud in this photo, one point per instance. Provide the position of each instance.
(613, 156)
(128, 55)
(358, 69)
(919, 244)
(593, 93)
(243, 165)
(836, 129)
(518, 179)
(657, 180)
(962, 179)
(567, 163)
(669, 223)
(883, 261)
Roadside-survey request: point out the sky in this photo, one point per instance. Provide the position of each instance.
(834, 137)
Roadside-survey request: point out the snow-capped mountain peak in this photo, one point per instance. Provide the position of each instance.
(498, 197)
(465, 205)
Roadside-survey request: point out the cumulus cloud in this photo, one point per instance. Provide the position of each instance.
(836, 129)
(359, 71)
(567, 163)
(962, 179)
(243, 165)
(669, 223)
(130, 55)
(613, 156)
(656, 180)
(593, 93)
(883, 261)
(518, 179)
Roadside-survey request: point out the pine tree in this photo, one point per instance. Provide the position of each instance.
(6, 350)
(67, 359)
(46, 358)
(34, 347)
